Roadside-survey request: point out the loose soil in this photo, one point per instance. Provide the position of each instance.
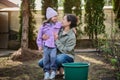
(29, 70)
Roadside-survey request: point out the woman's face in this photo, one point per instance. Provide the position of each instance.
(65, 22)
(54, 19)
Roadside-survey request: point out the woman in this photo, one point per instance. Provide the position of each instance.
(65, 41)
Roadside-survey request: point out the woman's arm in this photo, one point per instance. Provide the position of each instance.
(67, 47)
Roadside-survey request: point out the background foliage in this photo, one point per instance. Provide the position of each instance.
(94, 18)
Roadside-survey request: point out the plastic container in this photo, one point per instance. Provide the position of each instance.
(76, 71)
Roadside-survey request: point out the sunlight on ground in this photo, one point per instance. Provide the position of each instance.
(98, 68)
(92, 60)
(6, 62)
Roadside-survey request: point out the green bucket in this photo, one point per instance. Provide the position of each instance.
(76, 71)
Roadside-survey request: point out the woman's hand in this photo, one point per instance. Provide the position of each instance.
(75, 31)
(45, 37)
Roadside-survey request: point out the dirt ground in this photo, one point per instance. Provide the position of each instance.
(14, 70)
(99, 69)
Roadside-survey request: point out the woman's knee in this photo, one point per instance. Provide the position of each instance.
(63, 58)
(60, 60)
(40, 63)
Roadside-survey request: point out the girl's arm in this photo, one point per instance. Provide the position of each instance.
(39, 39)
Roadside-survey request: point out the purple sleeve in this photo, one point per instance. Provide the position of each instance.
(39, 37)
(59, 24)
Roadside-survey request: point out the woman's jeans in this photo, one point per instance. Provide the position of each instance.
(61, 58)
(49, 59)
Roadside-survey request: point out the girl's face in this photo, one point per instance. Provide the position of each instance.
(54, 19)
(65, 22)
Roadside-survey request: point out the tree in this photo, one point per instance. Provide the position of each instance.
(78, 11)
(60, 3)
(26, 26)
(25, 23)
(48, 3)
(94, 18)
(68, 5)
(116, 8)
(31, 22)
(74, 6)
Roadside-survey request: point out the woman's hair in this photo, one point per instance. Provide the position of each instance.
(73, 19)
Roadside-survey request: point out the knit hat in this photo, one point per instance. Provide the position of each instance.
(50, 13)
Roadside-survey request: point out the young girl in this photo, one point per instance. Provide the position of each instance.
(50, 28)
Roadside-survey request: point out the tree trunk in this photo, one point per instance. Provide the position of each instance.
(24, 53)
(21, 53)
(25, 14)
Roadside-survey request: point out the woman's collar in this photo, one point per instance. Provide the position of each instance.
(66, 33)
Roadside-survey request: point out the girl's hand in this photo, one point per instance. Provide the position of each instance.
(55, 36)
(45, 37)
(40, 49)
